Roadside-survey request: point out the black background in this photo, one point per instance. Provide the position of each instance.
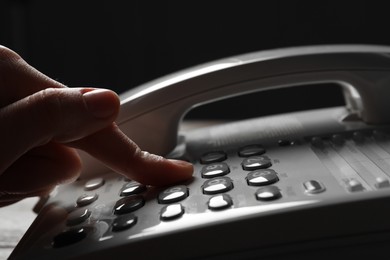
(121, 44)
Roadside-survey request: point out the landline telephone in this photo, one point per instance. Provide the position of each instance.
(312, 184)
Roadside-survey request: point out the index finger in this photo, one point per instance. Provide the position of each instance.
(112, 147)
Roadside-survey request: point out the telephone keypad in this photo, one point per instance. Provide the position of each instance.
(248, 167)
(215, 170)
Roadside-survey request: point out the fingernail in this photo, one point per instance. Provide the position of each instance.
(102, 103)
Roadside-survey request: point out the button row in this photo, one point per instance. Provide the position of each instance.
(249, 164)
(130, 188)
(219, 156)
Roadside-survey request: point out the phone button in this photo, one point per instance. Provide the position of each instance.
(268, 193)
(221, 201)
(217, 185)
(132, 188)
(262, 177)
(256, 162)
(173, 194)
(313, 187)
(128, 204)
(172, 211)
(354, 185)
(78, 216)
(212, 157)
(124, 222)
(251, 150)
(69, 237)
(215, 170)
(381, 182)
(86, 199)
(94, 184)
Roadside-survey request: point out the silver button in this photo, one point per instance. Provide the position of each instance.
(354, 185)
(94, 184)
(172, 211)
(221, 201)
(381, 182)
(313, 187)
(86, 199)
(268, 193)
(78, 216)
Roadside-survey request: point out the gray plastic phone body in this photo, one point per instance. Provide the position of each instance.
(334, 146)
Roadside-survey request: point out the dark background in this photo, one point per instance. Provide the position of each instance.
(121, 44)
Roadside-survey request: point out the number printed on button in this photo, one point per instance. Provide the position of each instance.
(173, 194)
(217, 185)
(262, 177)
(215, 170)
(256, 162)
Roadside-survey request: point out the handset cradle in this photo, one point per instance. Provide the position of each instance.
(158, 106)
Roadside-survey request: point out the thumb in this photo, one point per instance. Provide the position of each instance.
(59, 114)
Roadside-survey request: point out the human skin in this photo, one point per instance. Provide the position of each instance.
(43, 121)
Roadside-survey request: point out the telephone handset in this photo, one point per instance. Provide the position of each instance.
(304, 184)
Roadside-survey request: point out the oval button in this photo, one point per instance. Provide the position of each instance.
(251, 150)
(215, 170)
(268, 193)
(78, 216)
(93, 184)
(173, 194)
(124, 222)
(212, 157)
(172, 211)
(221, 201)
(256, 162)
(69, 237)
(262, 177)
(217, 185)
(132, 188)
(313, 187)
(128, 204)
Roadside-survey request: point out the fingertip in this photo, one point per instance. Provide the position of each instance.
(102, 103)
(185, 168)
(163, 172)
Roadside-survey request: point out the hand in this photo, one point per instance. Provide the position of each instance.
(42, 121)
